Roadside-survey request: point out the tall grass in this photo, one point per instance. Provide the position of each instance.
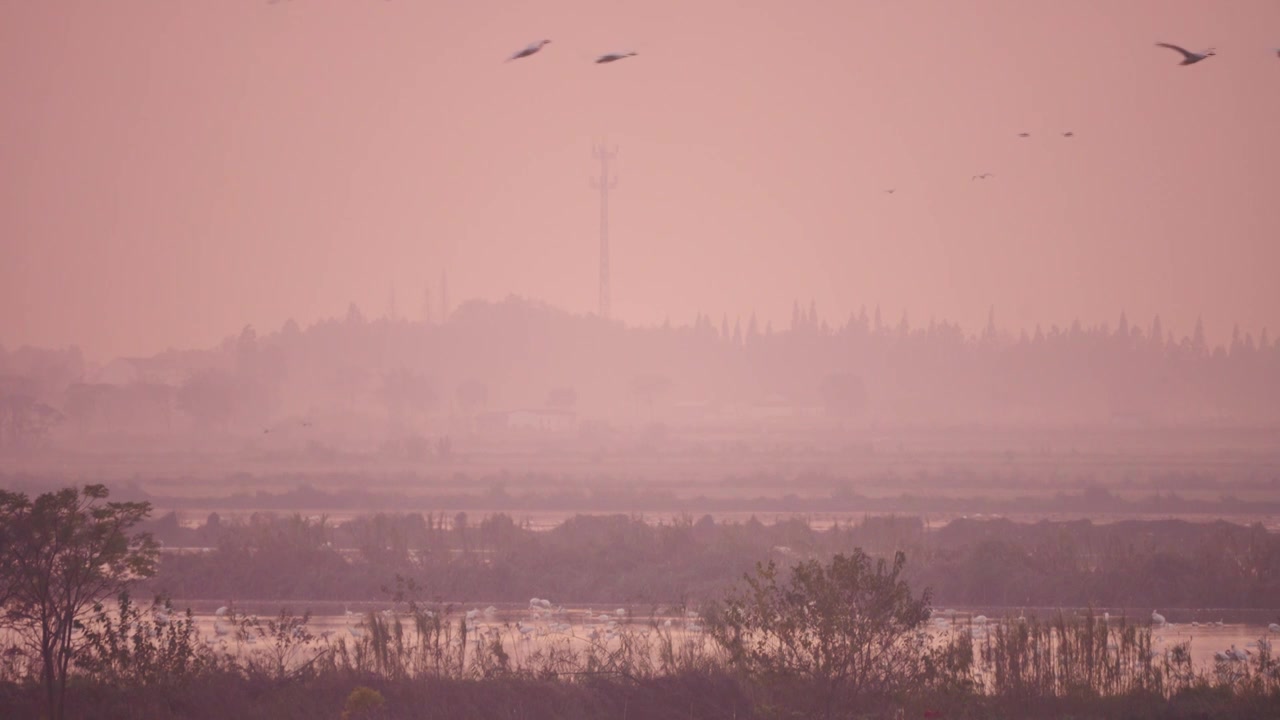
(429, 661)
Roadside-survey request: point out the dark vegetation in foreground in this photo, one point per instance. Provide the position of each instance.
(842, 637)
(823, 665)
(624, 559)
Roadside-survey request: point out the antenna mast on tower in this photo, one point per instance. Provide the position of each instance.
(444, 296)
(604, 184)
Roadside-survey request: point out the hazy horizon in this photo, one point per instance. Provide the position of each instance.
(177, 171)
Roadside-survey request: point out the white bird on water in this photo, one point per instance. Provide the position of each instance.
(614, 57)
(531, 49)
(1274, 627)
(1156, 618)
(1188, 57)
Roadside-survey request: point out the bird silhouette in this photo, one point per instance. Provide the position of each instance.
(531, 49)
(1188, 57)
(614, 57)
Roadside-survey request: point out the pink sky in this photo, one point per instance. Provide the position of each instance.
(174, 170)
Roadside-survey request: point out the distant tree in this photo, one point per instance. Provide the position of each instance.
(59, 556)
(25, 422)
(753, 329)
(1198, 342)
(354, 316)
(247, 350)
(349, 382)
(842, 631)
(83, 403)
(211, 397)
(1157, 332)
(460, 527)
(406, 391)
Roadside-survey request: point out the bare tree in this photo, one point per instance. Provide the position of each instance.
(59, 556)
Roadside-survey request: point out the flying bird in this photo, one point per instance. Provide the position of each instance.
(1068, 134)
(983, 176)
(531, 49)
(890, 191)
(1024, 134)
(1188, 57)
(613, 57)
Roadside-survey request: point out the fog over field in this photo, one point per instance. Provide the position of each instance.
(594, 360)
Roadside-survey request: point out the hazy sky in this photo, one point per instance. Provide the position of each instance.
(175, 169)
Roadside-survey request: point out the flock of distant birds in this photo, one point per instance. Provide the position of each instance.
(1188, 58)
(532, 48)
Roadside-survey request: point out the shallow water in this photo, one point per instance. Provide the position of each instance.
(582, 625)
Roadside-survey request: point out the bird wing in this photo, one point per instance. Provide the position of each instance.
(526, 52)
(1185, 53)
